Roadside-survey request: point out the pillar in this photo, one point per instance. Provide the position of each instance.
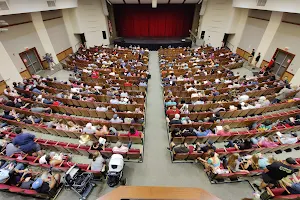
(8, 70)
(268, 36)
(237, 26)
(43, 34)
(70, 30)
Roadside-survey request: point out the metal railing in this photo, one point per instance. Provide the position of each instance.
(193, 36)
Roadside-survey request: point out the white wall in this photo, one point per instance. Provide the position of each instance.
(287, 35)
(8, 71)
(291, 6)
(17, 38)
(58, 35)
(253, 33)
(92, 22)
(216, 21)
(27, 6)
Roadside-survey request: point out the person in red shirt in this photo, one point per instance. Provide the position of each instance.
(133, 132)
(172, 111)
(127, 83)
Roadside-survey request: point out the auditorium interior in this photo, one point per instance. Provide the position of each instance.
(150, 99)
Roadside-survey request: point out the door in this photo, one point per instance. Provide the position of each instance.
(282, 61)
(31, 60)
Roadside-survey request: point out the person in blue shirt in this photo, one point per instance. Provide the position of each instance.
(171, 102)
(202, 131)
(25, 141)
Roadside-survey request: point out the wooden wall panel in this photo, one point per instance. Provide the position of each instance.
(2, 86)
(240, 52)
(62, 55)
(25, 74)
(288, 75)
(263, 63)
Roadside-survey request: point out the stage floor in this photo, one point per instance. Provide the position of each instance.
(153, 43)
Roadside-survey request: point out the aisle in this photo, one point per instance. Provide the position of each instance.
(157, 168)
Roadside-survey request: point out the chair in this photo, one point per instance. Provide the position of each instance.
(180, 156)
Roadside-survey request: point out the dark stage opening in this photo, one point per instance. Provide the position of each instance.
(145, 21)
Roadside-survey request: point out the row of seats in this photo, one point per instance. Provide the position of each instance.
(238, 123)
(78, 149)
(241, 113)
(87, 104)
(85, 112)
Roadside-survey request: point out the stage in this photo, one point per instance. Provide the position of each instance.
(153, 44)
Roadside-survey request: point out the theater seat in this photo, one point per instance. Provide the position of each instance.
(4, 187)
(30, 192)
(15, 189)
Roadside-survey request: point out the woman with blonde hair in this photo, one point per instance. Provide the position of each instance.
(252, 163)
(98, 162)
(234, 162)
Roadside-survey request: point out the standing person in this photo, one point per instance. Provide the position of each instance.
(271, 64)
(49, 59)
(252, 56)
(257, 59)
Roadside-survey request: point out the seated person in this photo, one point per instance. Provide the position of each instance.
(292, 185)
(240, 144)
(36, 108)
(181, 148)
(7, 168)
(137, 121)
(186, 120)
(233, 163)
(172, 111)
(133, 132)
(116, 119)
(89, 129)
(202, 131)
(176, 132)
(188, 132)
(121, 148)
(213, 163)
(287, 138)
(9, 115)
(206, 147)
(175, 120)
(46, 183)
(266, 142)
(98, 162)
(52, 159)
(171, 102)
(29, 119)
(215, 117)
(225, 130)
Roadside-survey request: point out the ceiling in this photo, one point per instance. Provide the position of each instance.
(150, 1)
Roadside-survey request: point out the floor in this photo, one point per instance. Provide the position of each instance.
(157, 168)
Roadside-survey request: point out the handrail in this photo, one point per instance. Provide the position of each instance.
(229, 45)
(193, 36)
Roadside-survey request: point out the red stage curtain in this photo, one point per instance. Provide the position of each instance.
(144, 21)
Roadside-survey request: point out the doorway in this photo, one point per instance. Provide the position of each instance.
(31, 60)
(283, 60)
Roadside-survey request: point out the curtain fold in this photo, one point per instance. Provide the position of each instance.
(144, 21)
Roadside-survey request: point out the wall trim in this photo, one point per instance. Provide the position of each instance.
(298, 24)
(16, 24)
(52, 18)
(258, 18)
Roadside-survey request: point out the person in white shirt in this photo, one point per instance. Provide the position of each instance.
(114, 100)
(101, 109)
(75, 90)
(121, 148)
(116, 119)
(243, 98)
(124, 94)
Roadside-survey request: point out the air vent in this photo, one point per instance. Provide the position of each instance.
(51, 3)
(261, 2)
(4, 5)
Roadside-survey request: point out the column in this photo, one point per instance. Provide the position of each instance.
(237, 26)
(296, 80)
(268, 36)
(43, 35)
(8, 70)
(70, 30)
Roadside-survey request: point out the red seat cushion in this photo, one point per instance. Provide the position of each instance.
(31, 192)
(15, 189)
(4, 187)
